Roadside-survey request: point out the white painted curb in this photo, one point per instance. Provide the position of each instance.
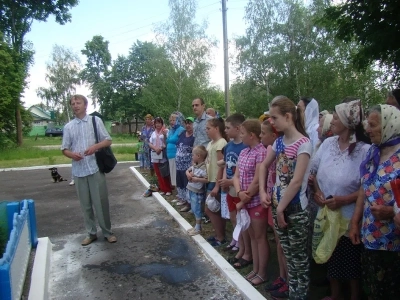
(237, 280)
(134, 162)
(39, 289)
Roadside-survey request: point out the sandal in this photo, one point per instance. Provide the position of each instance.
(259, 277)
(229, 247)
(233, 260)
(233, 249)
(250, 276)
(242, 263)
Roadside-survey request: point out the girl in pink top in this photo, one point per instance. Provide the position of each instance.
(247, 187)
(268, 136)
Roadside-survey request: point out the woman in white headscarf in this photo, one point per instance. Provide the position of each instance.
(311, 115)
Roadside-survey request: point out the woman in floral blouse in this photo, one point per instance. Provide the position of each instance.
(379, 234)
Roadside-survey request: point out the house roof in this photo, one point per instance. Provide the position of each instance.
(39, 113)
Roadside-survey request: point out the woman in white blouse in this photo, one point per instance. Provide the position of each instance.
(336, 165)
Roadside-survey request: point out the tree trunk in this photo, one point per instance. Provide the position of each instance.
(129, 126)
(18, 123)
(136, 124)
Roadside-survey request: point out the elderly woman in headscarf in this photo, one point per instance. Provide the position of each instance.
(324, 129)
(323, 113)
(176, 120)
(337, 186)
(379, 234)
(311, 115)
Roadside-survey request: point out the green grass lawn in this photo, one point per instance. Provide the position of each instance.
(48, 141)
(29, 155)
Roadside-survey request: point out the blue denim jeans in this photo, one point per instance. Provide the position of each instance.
(195, 203)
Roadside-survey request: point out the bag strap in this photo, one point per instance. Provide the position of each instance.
(95, 129)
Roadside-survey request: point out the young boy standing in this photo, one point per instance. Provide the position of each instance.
(231, 154)
(197, 177)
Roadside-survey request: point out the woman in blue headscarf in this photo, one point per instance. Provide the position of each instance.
(176, 120)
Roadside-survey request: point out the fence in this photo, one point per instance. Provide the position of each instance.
(21, 221)
(124, 128)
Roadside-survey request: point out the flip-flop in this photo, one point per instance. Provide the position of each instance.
(242, 263)
(259, 277)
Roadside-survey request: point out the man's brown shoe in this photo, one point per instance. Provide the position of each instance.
(111, 239)
(89, 240)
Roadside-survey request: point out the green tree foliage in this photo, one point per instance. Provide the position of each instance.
(249, 98)
(97, 69)
(188, 49)
(62, 76)
(10, 77)
(158, 93)
(374, 25)
(285, 52)
(16, 17)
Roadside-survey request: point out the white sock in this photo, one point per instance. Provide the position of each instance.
(197, 227)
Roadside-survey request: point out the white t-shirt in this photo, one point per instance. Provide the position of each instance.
(153, 141)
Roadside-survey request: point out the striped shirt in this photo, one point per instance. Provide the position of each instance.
(292, 149)
(247, 163)
(286, 160)
(78, 137)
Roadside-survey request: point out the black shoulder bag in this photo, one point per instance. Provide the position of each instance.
(105, 158)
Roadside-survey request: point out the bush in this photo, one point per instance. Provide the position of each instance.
(5, 141)
(3, 228)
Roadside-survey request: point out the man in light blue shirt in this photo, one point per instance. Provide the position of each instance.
(79, 144)
(199, 125)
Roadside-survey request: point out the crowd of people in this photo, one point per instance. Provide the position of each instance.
(279, 172)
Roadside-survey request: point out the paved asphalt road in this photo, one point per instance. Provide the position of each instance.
(153, 258)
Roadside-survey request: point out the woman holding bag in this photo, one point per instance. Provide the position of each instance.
(157, 145)
(334, 164)
(379, 233)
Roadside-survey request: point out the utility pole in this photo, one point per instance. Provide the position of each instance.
(226, 62)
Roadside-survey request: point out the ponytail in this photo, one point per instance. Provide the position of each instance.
(299, 122)
(220, 123)
(285, 105)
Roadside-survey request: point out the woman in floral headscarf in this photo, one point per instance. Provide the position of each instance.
(176, 120)
(334, 164)
(379, 234)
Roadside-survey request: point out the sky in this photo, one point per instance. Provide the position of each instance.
(123, 22)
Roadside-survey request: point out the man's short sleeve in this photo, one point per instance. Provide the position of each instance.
(101, 130)
(67, 140)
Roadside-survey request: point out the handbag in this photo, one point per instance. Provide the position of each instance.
(164, 169)
(105, 158)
